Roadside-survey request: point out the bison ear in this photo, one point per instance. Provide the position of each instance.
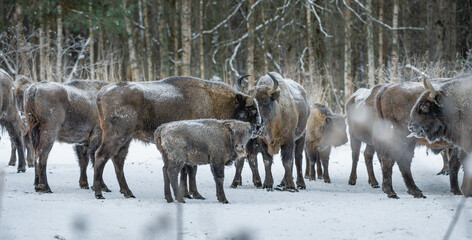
(439, 99)
(328, 121)
(275, 95)
(229, 126)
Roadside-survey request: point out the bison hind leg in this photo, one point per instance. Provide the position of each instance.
(173, 176)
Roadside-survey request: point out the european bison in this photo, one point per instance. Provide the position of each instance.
(324, 130)
(197, 142)
(390, 135)
(66, 113)
(361, 115)
(284, 109)
(10, 118)
(20, 85)
(130, 110)
(445, 112)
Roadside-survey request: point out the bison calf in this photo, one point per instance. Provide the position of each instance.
(324, 129)
(196, 142)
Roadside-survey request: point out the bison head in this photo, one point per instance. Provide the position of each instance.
(334, 130)
(240, 135)
(247, 110)
(427, 115)
(267, 96)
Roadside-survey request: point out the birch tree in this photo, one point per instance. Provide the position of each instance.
(132, 52)
(370, 46)
(250, 43)
(59, 45)
(186, 36)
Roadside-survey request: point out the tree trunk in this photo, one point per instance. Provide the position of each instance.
(186, 28)
(147, 35)
(370, 46)
(175, 37)
(91, 47)
(23, 64)
(132, 51)
(348, 84)
(202, 56)
(59, 45)
(250, 44)
(47, 56)
(316, 86)
(42, 49)
(381, 45)
(164, 41)
(393, 70)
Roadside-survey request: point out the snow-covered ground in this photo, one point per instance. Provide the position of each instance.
(322, 211)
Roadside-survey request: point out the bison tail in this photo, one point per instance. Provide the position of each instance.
(378, 105)
(31, 117)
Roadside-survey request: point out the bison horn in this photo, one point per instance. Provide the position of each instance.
(428, 86)
(250, 99)
(276, 83)
(239, 81)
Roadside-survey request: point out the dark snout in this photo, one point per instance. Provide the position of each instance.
(416, 131)
(240, 151)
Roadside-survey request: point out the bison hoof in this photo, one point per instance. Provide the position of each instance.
(234, 185)
(281, 185)
(199, 197)
(375, 185)
(11, 164)
(188, 196)
(42, 188)
(224, 201)
(30, 166)
(419, 196)
(21, 171)
(320, 178)
(258, 184)
(443, 172)
(393, 196)
(301, 187)
(99, 196)
(456, 192)
(181, 200)
(327, 181)
(84, 187)
(352, 183)
(169, 200)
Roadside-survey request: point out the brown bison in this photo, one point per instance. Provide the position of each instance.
(324, 130)
(131, 110)
(284, 110)
(10, 118)
(66, 113)
(390, 135)
(197, 142)
(445, 112)
(20, 86)
(360, 115)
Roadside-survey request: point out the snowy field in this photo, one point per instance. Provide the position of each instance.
(322, 211)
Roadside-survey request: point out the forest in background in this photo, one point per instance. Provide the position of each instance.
(331, 47)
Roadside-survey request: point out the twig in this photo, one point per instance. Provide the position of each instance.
(81, 56)
(319, 22)
(302, 64)
(232, 59)
(417, 70)
(273, 61)
(195, 36)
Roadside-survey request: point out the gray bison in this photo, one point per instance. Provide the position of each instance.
(130, 110)
(66, 113)
(445, 112)
(197, 142)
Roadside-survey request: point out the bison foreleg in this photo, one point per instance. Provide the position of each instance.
(81, 152)
(237, 180)
(193, 183)
(355, 148)
(299, 144)
(219, 176)
(387, 167)
(368, 157)
(287, 161)
(183, 182)
(118, 162)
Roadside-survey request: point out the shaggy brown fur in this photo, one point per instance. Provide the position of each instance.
(10, 118)
(66, 113)
(130, 110)
(284, 109)
(445, 112)
(197, 142)
(324, 130)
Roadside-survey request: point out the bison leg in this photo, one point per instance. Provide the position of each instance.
(387, 167)
(173, 174)
(287, 161)
(268, 160)
(183, 182)
(193, 183)
(101, 157)
(324, 157)
(312, 157)
(43, 152)
(308, 167)
(355, 148)
(445, 169)
(299, 162)
(319, 169)
(219, 176)
(15, 136)
(405, 169)
(237, 180)
(256, 178)
(167, 192)
(369, 157)
(12, 155)
(82, 155)
(454, 165)
(29, 148)
(118, 162)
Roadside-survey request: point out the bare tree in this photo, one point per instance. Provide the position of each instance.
(370, 46)
(132, 51)
(59, 44)
(147, 35)
(186, 36)
(91, 48)
(201, 42)
(348, 84)
(250, 42)
(393, 69)
(311, 52)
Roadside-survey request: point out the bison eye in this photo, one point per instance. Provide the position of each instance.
(424, 107)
